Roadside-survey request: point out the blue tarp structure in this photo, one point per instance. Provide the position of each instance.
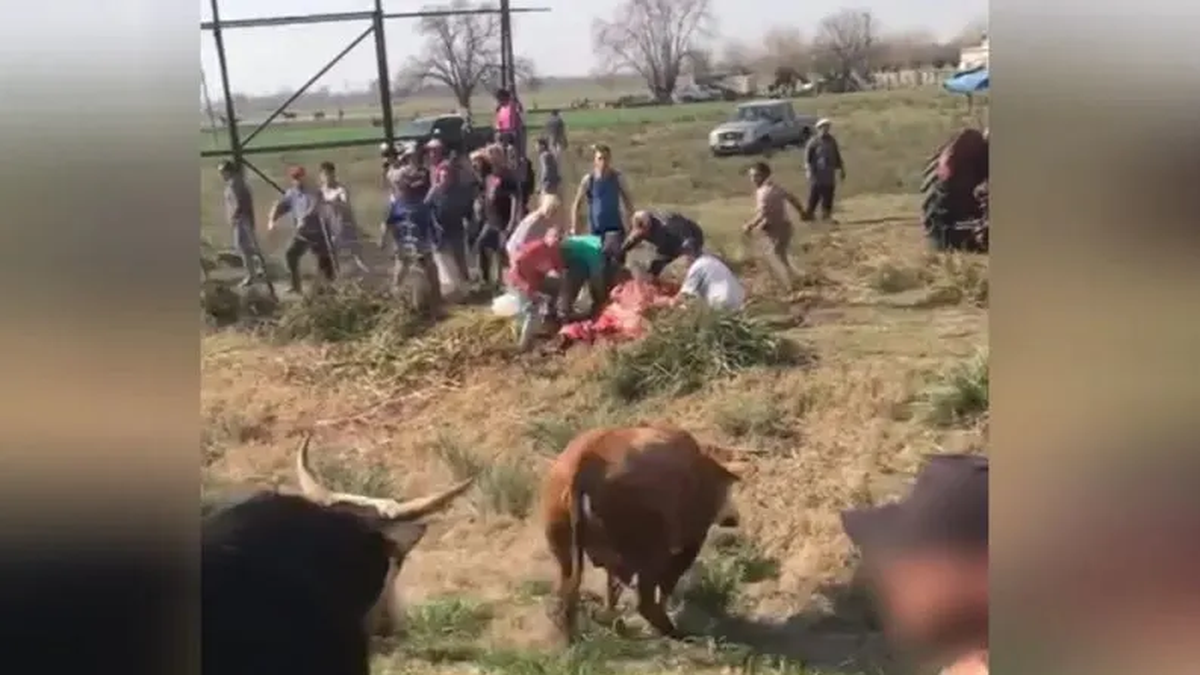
(968, 82)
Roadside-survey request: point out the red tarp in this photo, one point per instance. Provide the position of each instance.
(624, 316)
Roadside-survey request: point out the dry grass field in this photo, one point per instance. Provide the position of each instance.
(892, 343)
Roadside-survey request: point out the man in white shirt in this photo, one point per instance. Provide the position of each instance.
(336, 198)
(709, 279)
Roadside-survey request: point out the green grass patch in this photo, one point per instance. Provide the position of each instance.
(961, 396)
(686, 350)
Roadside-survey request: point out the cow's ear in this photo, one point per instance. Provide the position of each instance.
(402, 536)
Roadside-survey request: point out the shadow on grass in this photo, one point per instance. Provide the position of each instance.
(841, 637)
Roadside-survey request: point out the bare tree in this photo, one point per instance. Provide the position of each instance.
(652, 38)
(787, 48)
(461, 52)
(847, 46)
(699, 64)
(737, 56)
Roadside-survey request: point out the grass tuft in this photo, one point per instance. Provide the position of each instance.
(345, 312)
(687, 350)
(961, 397)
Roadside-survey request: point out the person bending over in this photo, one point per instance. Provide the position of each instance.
(666, 231)
(710, 280)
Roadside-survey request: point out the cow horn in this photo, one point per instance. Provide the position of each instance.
(391, 509)
(310, 487)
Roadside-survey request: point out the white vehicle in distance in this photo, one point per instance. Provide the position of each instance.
(761, 126)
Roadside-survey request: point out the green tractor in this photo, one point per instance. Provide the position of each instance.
(954, 208)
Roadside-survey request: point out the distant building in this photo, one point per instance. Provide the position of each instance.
(974, 57)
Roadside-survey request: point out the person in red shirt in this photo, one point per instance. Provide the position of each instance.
(529, 276)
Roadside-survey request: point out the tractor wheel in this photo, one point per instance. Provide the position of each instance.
(935, 214)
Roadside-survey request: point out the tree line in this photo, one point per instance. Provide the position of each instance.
(662, 41)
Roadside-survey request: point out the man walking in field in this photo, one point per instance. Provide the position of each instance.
(609, 207)
(823, 165)
(239, 211)
(556, 133)
(410, 224)
(770, 218)
(336, 198)
(452, 195)
(303, 201)
(549, 176)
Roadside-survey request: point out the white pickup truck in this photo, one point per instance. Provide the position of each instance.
(758, 126)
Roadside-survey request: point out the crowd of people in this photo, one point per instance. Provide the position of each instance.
(449, 211)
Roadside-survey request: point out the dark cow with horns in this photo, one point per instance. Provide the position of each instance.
(639, 501)
(296, 583)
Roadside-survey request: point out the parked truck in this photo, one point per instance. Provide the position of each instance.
(760, 126)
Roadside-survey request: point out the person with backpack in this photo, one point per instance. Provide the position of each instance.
(608, 208)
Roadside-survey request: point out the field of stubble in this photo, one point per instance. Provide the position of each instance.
(894, 340)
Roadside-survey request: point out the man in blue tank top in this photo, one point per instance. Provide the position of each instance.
(608, 207)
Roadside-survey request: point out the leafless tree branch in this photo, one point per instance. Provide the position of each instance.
(461, 52)
(654, 39)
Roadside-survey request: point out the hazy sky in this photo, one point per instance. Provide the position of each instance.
(265, 60)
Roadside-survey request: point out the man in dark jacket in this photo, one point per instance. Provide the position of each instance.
(823, 165)
(666, 231)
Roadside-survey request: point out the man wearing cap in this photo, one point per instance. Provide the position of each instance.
(926, 559)
(666, 231)
(312, 234)
(239, 211)
(823, 165)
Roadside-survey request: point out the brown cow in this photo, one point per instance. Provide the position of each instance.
(640, 501)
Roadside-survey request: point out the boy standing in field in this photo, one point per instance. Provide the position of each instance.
(556, 132)
(336, 198)
(609, 207)
(549, 176)
(303, 201)
(239, 211)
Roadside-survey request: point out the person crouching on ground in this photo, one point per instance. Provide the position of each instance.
(708, 279)
(535, 277)
(666, 231)
(547, 275)
(410, 224)
(303, 201)
(336, 199)
(926, 561)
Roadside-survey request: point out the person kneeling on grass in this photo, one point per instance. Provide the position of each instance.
(710, 280)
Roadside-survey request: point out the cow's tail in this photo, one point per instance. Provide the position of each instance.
(587, 478)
